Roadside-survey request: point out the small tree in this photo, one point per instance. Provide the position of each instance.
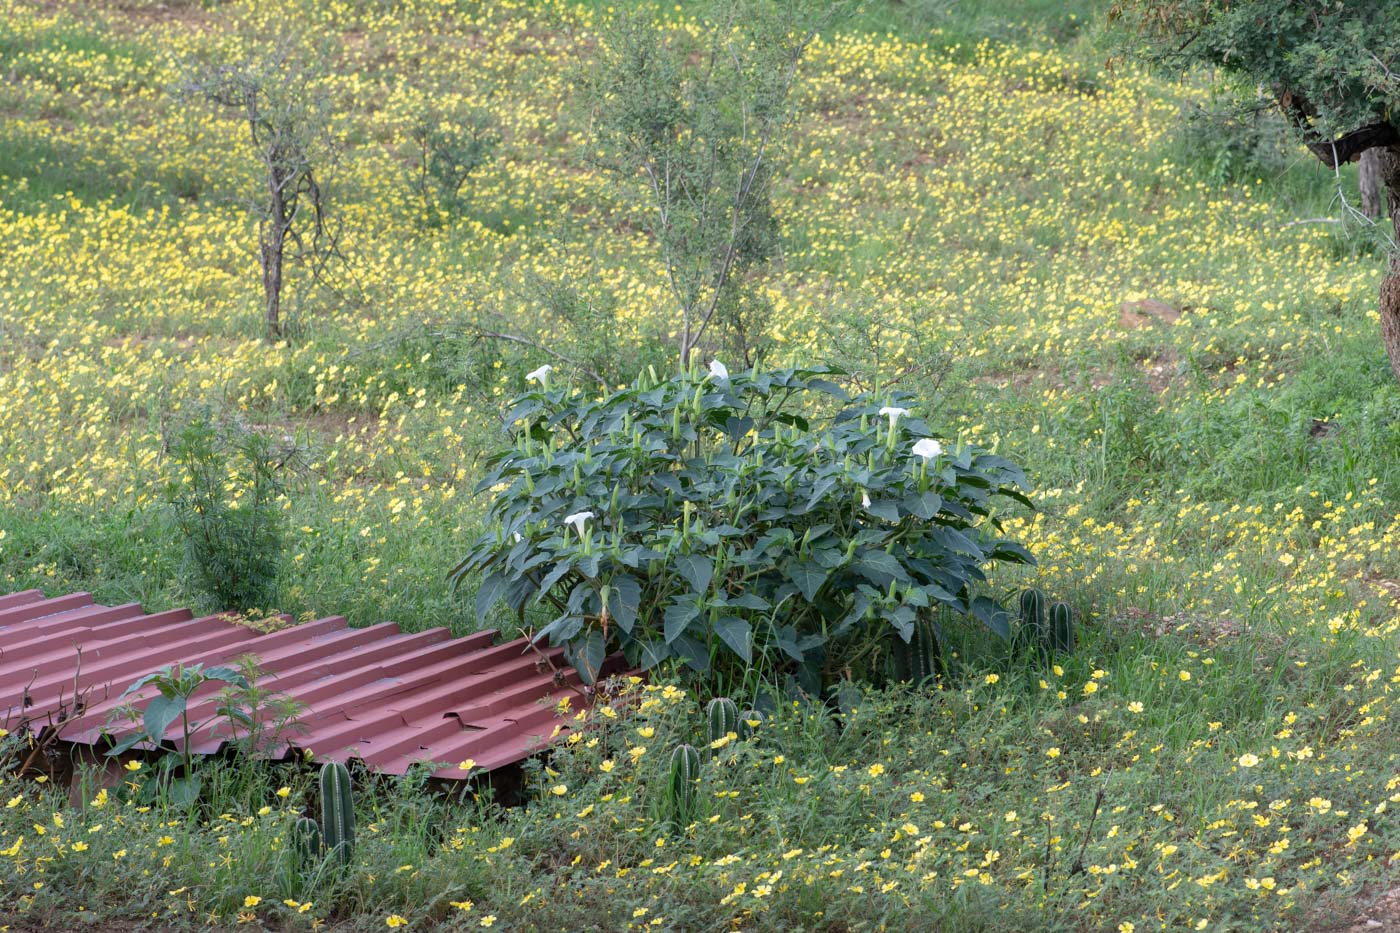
(1332, 68)
(447, 148)
(287, 120)
(699, 123)
(224, 496)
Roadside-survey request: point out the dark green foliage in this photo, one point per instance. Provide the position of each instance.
(763, 521)
(1236, 144)
(447, 149)
(224, 497)
(721, 718)
(685, 773)
(1333, 68)
(337, 811)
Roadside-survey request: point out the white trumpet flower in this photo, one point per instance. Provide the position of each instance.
(928, 448)
(894, 414)
(578, 520)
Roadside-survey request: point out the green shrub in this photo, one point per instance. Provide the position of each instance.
(761, 521)
(447, 149)
(224, 497)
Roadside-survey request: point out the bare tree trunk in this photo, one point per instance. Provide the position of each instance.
(1372, 188)
(271, 256)
(272, 239)
(1388, 160)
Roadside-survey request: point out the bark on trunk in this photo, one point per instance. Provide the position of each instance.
(272, 239)
(272, 245)
(1372, 188)
(1388, 160)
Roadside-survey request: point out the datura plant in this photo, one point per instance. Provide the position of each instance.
(760, 521)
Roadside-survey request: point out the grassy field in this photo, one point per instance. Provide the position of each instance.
(969, 193)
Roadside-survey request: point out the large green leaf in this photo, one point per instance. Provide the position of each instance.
(678, 618)
(738, 635)
(880, 568)
(993, 615)
(626, 601)
(226, 675)
(808, 577)
(492, 588)
(697, 571)
(587, 653)
(160, 713)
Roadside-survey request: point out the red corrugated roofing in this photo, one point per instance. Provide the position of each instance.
(373, 694)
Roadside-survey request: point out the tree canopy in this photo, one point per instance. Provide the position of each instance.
(1332, 66)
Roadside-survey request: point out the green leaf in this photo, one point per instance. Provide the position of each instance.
(226, 675)
(697, 571)
(626, 601)
(651, 653)
(185, 791)
(750, 600)
(880, 568)
(738, 635)
(923, 506)
(993, 615)
(555, 574)
(884, 508)
(903, 619)
(678, 618)
(587, 655)
(493, 587)
(786, 637)
(160, 713)
(808, 577)
(126, 744)
(144, 681)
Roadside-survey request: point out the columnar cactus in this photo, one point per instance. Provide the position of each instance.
(337, 811)
(916, 660)
(721, 718)
(306, 841)
(1031, 633)
(1060, 633)
(1047, 632)
(685, 772)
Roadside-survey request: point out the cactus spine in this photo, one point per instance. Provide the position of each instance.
(721, 718)
(685, 772)
(337, 811)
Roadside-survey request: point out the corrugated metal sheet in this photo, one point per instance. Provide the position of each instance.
(373, 694)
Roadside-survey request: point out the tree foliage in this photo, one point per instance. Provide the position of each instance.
(698, 121)
(1332, 66)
